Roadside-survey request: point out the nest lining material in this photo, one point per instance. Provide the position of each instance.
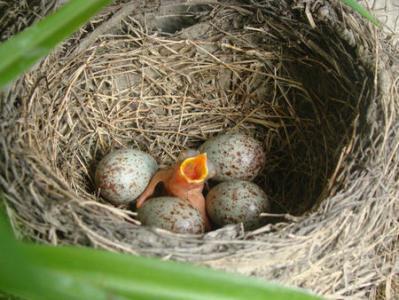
(321, 100)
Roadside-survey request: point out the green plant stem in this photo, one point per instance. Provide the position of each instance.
(362, 11)
(23, 50)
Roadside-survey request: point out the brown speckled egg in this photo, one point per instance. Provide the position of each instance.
(237, 201)
(172, 214)
(235, 156)
(122, 175)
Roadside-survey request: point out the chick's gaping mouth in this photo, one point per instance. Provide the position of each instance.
(194, 169)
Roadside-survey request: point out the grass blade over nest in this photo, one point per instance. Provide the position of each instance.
(46, 272)
(23, 50)
(138, 277)
(362, 11)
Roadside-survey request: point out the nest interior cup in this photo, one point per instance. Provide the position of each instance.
(306, 78)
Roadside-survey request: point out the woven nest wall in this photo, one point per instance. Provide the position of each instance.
(315, 83)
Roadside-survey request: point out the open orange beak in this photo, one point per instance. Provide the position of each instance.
(195, 169)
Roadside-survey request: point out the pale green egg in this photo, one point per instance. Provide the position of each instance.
(122, 175)
(172, 214)
(237, 201)
(235, 156)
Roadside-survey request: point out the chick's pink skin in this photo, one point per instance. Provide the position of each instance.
(184, 180)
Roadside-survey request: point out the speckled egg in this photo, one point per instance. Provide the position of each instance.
(235, 156)
(172, 214)
(236, 201)
(122, 175)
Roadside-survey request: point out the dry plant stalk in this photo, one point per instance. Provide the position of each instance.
(308, 79)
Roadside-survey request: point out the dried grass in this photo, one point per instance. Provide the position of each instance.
(322, 100)
(17, 15)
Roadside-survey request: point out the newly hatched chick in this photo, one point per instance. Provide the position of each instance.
(184, 180)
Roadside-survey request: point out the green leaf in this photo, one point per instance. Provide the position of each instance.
(12, 264)
(20, 276)
(144, 278)
(116, 276)
(23, 50)
(362, 11)
(46, 272)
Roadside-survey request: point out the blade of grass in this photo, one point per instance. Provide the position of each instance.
(362, 11)
(19, 277)
(23, 50)
(144, 278)
(46, 272)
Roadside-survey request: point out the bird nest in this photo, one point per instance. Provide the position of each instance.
(310, 80)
